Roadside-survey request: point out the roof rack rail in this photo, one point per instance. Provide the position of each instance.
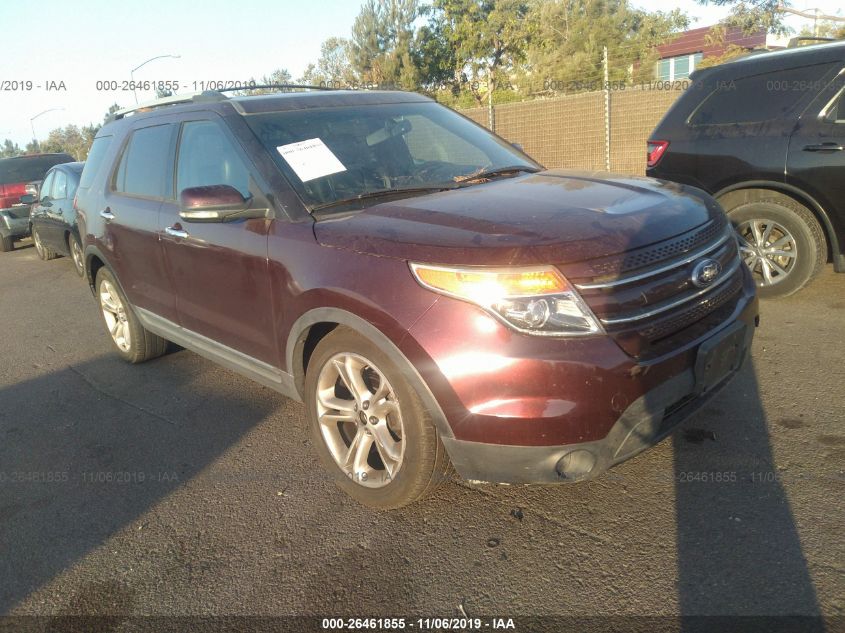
(208, 95)
(280, 86)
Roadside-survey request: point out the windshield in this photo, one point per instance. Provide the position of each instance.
(29, 168)
(342, 153)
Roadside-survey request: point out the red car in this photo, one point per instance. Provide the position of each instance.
(15, 174)
(430, 292)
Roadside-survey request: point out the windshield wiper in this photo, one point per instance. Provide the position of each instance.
(382, 193)
(482, 174)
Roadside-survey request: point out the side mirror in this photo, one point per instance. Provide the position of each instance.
(216, 203)
(519, 147)
(28, 198)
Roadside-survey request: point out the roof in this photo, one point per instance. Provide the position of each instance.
(696, 41)
(275, 102)
(75, 166)
(27, 156)
(755, 63)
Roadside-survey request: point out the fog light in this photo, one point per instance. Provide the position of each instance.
(576, 464)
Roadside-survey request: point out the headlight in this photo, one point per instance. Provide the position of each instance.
(534, 300)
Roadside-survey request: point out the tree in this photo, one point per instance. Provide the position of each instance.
(112, 109)
(566, 51)
(753, 15)
(277, 77)
(10, 149)
(71, 139)
(485, 40)
(381, 50)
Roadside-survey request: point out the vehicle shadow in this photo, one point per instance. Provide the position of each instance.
(87, 449)
(739, 552)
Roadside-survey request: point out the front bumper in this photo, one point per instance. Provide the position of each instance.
(526, 410)
(647, 421)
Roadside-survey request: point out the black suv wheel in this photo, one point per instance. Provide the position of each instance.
(781, 242)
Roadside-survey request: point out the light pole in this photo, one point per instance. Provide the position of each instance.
(132, 72)
(32, 119)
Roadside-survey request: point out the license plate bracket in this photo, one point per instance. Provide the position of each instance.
(719, 356)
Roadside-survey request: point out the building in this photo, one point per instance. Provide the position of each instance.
(680, 55)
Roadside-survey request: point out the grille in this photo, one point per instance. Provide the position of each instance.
(656, 307)
(650, 255)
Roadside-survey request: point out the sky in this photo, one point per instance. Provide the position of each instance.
(99, 40)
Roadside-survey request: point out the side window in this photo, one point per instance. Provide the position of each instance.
(46, 186)
(837, 112)
(72, 186)
(208, 157)
(760, 98)
(144, 163)
(96, 155)
(60, 185)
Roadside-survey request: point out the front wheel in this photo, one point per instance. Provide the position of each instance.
(781, 242)
(134, 343)
(7, 244)
(368, 424)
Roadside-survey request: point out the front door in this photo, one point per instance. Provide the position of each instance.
(816, 159)
(219, 270)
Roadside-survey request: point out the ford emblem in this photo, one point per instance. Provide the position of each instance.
(705, 272)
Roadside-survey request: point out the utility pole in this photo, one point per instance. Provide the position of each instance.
(606, 110)
(491, 121)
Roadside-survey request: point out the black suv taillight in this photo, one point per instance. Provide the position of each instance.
(656, 149)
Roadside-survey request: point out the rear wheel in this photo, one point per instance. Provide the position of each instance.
(134, 343)
(76, 254)
(368, 424)
(781, 242)
(6, 244)
(44, 252)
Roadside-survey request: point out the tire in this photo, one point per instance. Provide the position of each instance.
(795, 232)
(422, 462)
(76, 255)
(45, 253)
(133, 343)
(7, 244)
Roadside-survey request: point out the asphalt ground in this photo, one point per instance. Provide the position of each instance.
(178, 488)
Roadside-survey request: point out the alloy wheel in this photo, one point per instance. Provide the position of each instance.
(360, 420)
(115, 315)
(768, 249)
(38, 245)
(76, 253)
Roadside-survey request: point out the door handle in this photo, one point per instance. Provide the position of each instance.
(824, 147)
(106, 214)
(176, 231)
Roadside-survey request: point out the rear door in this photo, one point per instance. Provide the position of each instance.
(220, 270)
(131, 203)
(816, 159)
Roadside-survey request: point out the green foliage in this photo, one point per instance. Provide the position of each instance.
(72, 139)
(566, 52)
(9, 149)
(754, 15)
(382, 48)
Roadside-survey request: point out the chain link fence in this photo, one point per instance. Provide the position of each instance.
(571, 131)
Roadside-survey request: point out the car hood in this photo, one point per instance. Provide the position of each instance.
(553, 216)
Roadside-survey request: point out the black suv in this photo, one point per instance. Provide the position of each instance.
(765, 136)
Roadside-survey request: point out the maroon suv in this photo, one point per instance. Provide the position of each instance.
(431, 293)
